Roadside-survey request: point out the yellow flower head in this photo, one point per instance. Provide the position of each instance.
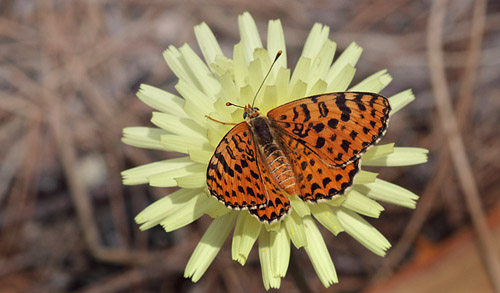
(182, 127)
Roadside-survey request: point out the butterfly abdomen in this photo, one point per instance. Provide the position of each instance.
(278, 165)
(279, 168)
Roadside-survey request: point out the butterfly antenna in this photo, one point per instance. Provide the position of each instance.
(269, 71)
(231, 104)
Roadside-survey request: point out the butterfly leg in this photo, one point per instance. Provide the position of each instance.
(223, 123)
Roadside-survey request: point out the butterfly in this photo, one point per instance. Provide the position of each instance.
(310, 147)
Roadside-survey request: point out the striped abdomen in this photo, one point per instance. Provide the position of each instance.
(273, 156)
(279, 167)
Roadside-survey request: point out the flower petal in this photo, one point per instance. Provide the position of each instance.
(362, 231)
(342, 80)
(324, 214)
(157, 211)
(298, 91)
(240, 66)
(273, 227)
(388, 192)
(198, 104)
(337, 200)
(299, 206)
(270, 99)
(189, 211)
(265, 255)
(176, 63)
(280, 252)
(364, 177)
(218, 211)
(276, 42)
(398, 101)
(230, 92)
(215, 133)
(402, 156)
(139, 175)
(195, 180)
(300, 73)
(361, 204)
(168, 178)
(373, 83)
(246, 96)
(161, 100)
(200, 156)
(178, 125)
(208, 43)
(350, 56)
(250, 37)
(295, 229)
(143, 137)
(200, 75)
(256, 72)
(378, 151)
(209, 246)
(222, 65)
(245, 234)
(318, 254)
(318, 88)
(315, 40)
(281, 83)
(182, 144)
(321, 62)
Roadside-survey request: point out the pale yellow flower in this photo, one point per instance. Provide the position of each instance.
(205, 87)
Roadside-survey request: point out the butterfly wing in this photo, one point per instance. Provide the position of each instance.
(237, 176)
(233, 175)
(315, 179)
(337, 127)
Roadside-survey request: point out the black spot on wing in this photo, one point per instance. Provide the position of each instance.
(340, 101)
(320, 142)
(332, 123)
(326, 180)
(307, 114)
(345, 145)
(319, 127)
(295, 114)
(254, 175)
(323, 109)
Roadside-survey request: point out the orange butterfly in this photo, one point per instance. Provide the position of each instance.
(309, 147)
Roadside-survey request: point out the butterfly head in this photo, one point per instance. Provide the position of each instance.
(250, 113)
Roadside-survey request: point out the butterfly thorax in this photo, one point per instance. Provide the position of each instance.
(270, 150)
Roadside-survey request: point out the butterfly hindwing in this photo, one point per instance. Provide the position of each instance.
(233, 173)
(337, 127)
(315, 180)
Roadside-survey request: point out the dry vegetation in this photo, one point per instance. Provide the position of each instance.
(68, 74)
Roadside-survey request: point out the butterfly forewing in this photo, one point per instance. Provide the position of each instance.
(336, 127)
(315, 180)
(233, 175)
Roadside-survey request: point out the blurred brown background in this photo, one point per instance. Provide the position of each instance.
(69, 71)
